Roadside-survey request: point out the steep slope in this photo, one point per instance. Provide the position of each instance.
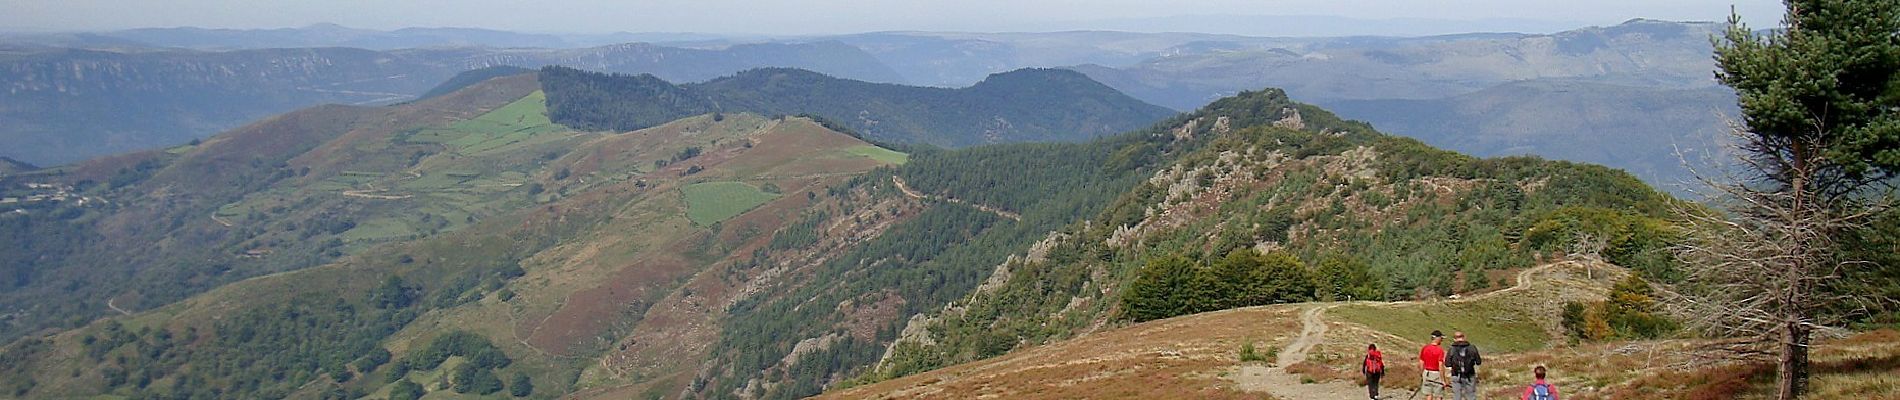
(1253, 171)
(1017, 106)
(501, 227)
(66, 105)
(284, 193)
(1300, 206)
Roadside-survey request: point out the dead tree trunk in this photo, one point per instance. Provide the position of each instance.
(1792, 367)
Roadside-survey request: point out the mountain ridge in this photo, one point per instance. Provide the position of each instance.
(111, 101)
(1023, 105)
(683, 259)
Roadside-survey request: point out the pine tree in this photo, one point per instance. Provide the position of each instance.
(1821, 122)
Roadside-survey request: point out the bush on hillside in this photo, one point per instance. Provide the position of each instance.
(1175, 285)
(1630, 312)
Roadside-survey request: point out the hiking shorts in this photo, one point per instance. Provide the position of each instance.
(1432, 384)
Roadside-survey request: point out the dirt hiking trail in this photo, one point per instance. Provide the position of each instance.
(1278, 381)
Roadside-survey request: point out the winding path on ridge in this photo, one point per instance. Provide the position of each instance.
(1281, 383)
(1284, 384)
(914, 194)
(1312, 331)
(115, 307)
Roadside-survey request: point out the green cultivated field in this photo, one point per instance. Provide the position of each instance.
(379, 229)
(880, 154)
(710, 202)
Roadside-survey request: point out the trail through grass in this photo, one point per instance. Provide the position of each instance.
(1495, 327)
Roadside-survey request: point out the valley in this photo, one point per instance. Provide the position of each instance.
(687, 258)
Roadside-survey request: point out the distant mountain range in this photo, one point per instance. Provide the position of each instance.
(1567, 88)
(333, 35)
(65, 105)
(1030, 105)
(126, 104)
(1642, 53)
(467, 242)
(9, 165)
(1651, 132)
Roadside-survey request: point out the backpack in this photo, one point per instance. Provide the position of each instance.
(1540, 391)
(1460, 362)
(1374, 365)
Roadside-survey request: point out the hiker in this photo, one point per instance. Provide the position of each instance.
(1374, 368)
(1540, 390)
(1463, 362)
(1433, 384)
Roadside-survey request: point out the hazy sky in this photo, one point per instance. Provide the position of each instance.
(810, 17)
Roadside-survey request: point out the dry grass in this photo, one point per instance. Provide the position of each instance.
(1189, 357)
(1173, 358)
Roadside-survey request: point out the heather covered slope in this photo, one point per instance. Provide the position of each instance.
(592, 239)
(734, 255)
(284, 193)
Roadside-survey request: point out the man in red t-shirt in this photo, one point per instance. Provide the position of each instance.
(1433, 384)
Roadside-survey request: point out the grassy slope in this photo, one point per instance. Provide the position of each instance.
(708, 203)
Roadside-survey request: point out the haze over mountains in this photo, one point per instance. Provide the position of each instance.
(477, 234)
(429, 213)
(333, 35)
(64, 105)
(117, 106)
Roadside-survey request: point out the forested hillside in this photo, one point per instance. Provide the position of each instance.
(1253, 200)
(1031, 105)
(1265, 202)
